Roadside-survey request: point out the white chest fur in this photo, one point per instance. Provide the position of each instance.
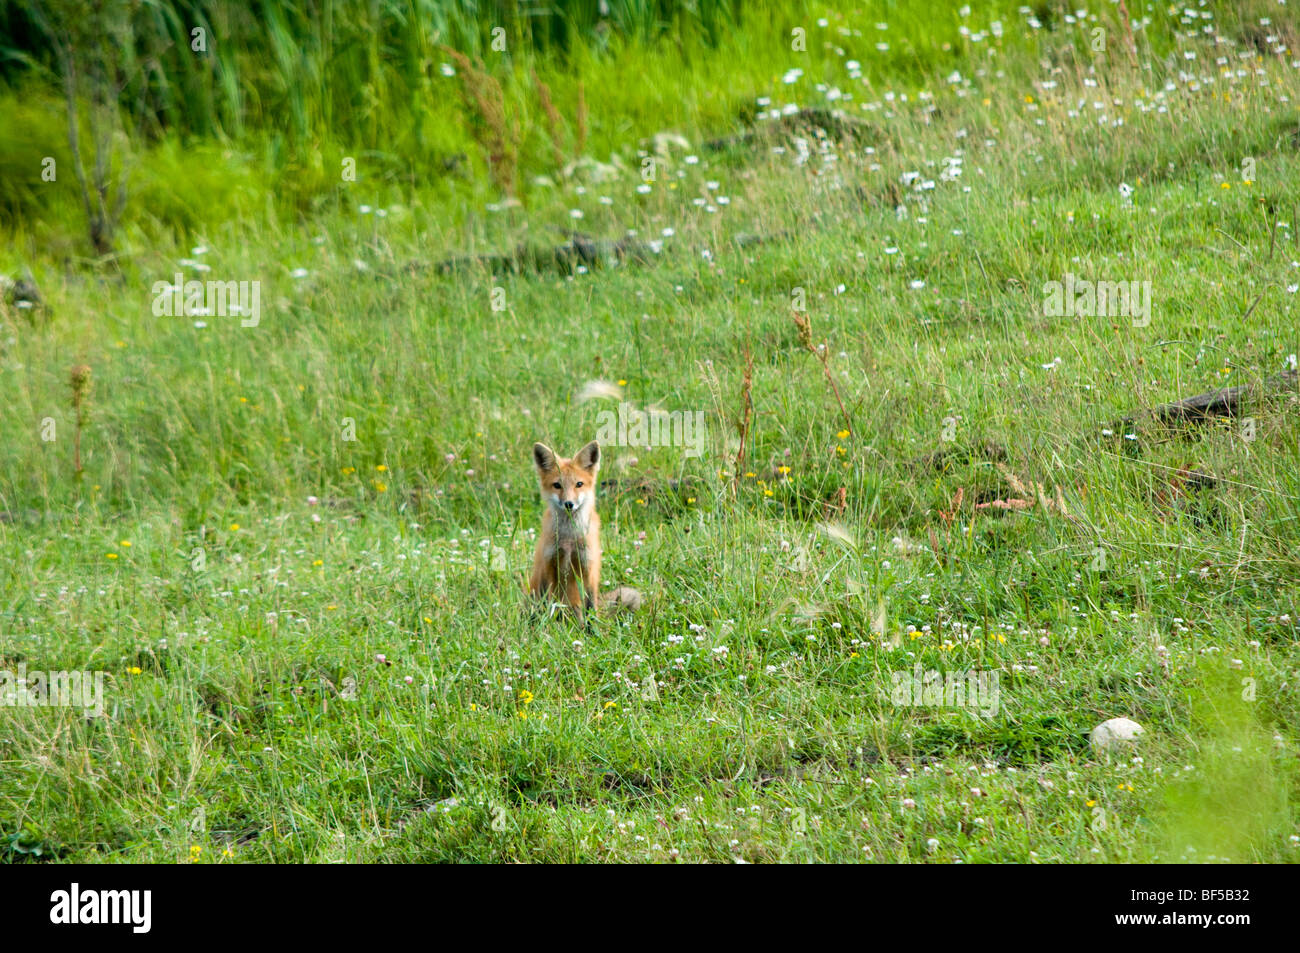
(571, 529)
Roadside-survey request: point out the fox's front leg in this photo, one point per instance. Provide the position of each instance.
(573, 592)
(542, 582)
(591, 576)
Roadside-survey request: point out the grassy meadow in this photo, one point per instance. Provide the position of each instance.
(295, 546)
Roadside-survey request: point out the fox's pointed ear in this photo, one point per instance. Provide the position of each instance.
(543, 456)
(589, 456)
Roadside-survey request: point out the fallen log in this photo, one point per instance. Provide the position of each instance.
(578, 251)
(836, 124)
(1224, 402)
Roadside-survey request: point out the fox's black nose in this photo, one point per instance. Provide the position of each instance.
(568, 504)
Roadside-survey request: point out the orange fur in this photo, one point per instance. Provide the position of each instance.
(566, 562)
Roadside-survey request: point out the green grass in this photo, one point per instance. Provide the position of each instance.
(238, 567)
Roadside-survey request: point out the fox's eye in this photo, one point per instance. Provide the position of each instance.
(557, 486)
(579, 483)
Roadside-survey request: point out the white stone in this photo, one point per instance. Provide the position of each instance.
(1114, 733)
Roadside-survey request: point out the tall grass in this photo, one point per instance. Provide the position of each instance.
(297, 87)
(337, 67)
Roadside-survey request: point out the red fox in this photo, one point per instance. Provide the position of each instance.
(566, 563)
